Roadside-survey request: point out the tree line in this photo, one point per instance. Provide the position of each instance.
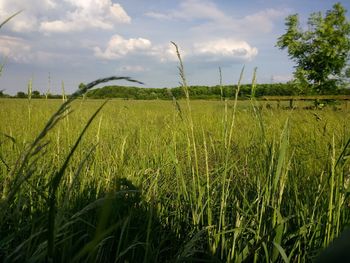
(204, 92)
(196, 92)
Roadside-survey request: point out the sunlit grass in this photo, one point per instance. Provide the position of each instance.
(266, 196)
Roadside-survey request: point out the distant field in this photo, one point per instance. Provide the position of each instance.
(157, 181)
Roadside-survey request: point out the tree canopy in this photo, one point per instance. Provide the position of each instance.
(322, 51)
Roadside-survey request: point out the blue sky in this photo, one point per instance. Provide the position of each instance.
(78, 41)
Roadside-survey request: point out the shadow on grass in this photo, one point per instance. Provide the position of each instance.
(118, 227)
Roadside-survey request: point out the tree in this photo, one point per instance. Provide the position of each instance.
(321, 52)
(36, 94)
(21, 94)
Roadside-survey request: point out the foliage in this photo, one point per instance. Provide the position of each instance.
(321, 52)
(21, 94)
(3, 95)
(36, 94)
(195, 92)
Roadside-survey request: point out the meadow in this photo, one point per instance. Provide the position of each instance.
(171, 181)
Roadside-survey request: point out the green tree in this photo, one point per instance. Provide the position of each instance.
(21, 94)
(36, 94)
(321, 52)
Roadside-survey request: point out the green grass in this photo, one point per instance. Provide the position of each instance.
(147, 183)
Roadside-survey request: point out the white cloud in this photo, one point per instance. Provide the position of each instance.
(27, 20)
(51, 16)
(281, 78)
(118, 47)
(101, 14)
(159, 16)
(214, 21)
(119, 14)
(191, 10)
(166, 53)
(15, 49)
(20, 51)
(262, 20)
(133, 68)
(225, 49)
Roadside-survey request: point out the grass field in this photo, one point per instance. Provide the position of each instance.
(156, 181)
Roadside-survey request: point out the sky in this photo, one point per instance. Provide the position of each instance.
(77, 41)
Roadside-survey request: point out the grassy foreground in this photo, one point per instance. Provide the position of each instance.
(156, 181)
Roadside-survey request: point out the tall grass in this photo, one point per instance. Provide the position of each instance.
(170, 181)
(276, 197)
